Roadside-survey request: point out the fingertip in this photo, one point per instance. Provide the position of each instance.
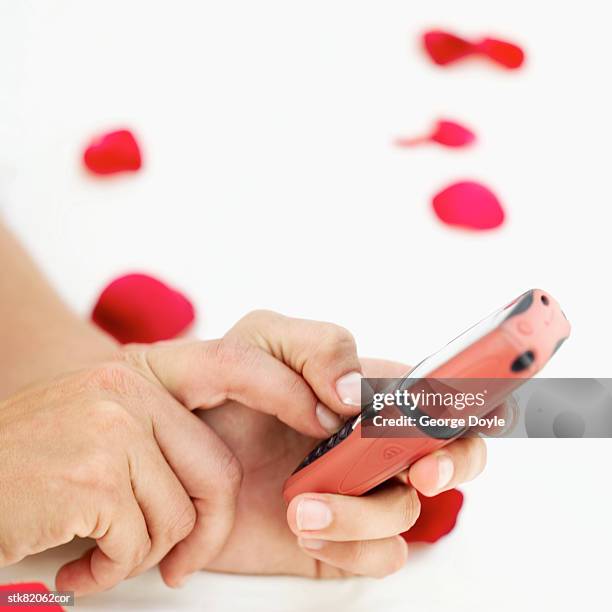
(348, 389)
(404, 551)
(422, 475)
(309, 512)
(431, 474)
(170, 573)
(196, 551)
(328, 419)
(62, 582)
(311, 545)
(291, 515)
(171, 576)
(76, 575)
(316, 430)
(292, 511)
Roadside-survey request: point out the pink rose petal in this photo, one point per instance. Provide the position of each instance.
(470, 205)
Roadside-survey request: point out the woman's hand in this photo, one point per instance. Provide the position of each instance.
(111, 453)
(321, 535)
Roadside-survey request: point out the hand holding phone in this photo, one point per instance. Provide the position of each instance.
(510, 346)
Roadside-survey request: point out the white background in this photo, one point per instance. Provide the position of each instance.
(270, 181)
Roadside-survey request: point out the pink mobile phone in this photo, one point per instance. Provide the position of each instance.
(509, 346)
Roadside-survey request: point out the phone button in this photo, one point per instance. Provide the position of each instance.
(391, 452)
(525, 328)
(381, 460)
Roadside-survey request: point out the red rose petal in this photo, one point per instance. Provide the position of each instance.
(113, 152)
(438, 517)
(505, 53)
(139, 308)
(24, 588)
(469, 204)
(444, 47)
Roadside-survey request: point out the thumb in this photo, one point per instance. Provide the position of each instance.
(323, 353)
(208, 374)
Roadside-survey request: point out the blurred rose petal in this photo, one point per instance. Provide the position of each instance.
(452, 134)
(447, 133)
(469, 204)
(445, 48)
(113, 152)
(505, 53)
(438, 517)
(140, 308)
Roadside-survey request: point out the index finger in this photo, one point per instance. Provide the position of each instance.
(207, 374)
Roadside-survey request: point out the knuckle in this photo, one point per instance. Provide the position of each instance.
(101, 463)
(231, 475)
(114, 376)
(295, 387)
(410, 508)
(100, 470)
(359, 555)
(228, 477)
(99, 475)
(393, 561)
(233, 352)
(258, 316)
(338, 334)
(141, 551)
(397, 560)
(110, 417)
(183, 523)
(253, 326)
(336, 341)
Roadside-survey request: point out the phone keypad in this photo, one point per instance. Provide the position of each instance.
(327, 445)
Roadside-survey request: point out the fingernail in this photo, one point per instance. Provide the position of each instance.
(446, 469)
(348, 388)
(313, 514)
(329, 420)
(311, 544)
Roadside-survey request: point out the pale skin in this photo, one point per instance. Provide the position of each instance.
(101, 441)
